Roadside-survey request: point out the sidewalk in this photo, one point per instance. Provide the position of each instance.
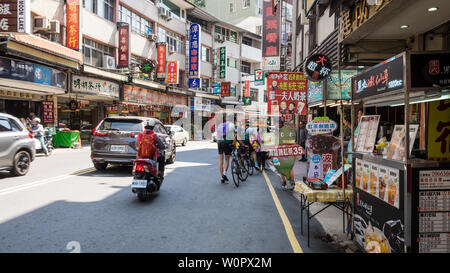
(330, 219)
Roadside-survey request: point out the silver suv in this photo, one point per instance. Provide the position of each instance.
(114, 140)
(17, 149)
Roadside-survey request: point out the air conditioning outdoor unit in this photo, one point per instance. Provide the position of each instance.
(169, 15)
(151, 37)
(162, 11)
(109, 62)
(41, 23)
(219, 37)
(54, 26)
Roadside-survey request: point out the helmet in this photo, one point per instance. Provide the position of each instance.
(38, 120)
(149, 124)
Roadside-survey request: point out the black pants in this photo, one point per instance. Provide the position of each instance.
(161, 164)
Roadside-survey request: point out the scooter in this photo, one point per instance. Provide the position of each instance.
(48, 141)
(146, 178)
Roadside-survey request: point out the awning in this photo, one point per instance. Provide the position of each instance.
(105, 74)
(29, 87)
(149, 84)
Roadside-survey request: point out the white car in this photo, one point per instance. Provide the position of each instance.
(180, 135)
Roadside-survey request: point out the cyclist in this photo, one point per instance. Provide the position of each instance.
(225, 137)
(251, 135)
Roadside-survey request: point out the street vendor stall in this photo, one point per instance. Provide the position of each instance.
(66, 139)
(401, 200)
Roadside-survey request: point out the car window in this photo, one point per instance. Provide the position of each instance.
(161, 129)
(15, 126)
(122, 125)
(5, 126)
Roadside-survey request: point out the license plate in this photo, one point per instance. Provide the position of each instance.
(117, 148)
(139, 183)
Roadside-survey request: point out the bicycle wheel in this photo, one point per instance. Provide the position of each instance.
(235, 172)
(250, 166)
(243, 169)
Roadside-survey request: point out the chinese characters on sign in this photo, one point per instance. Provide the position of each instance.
(172, 72)
(96, 86)
(286, 94)
(73, 24)
(124, 45)
(194, 50)
(247, 89)
(430, 69)
(321, 126)
(286, 150)
(318, 67)
(14, 16)
(271, 39)
(162, 56)
(222, 62)
(48, 112)
(225, 89)
(439, 130)
(146, 96)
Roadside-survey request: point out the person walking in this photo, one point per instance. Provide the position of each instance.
(38, 133)
(302, 138)
(225, 137)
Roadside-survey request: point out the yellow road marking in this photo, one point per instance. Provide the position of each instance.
(287, 224)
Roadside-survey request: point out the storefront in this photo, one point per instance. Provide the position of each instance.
(401, 191)
(25, 86)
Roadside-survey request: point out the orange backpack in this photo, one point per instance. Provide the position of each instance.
(147, 145)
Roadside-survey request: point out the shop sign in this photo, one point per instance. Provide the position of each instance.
(162, 58)
(95, 87)
(384, 77)
(145, 96)
(73, 24)
(222, 63)
(318, 67)
(14, 16)
(25, 71)
(322, 152)
(286, 150)
(286, 94)
(216, 88)
(270, 37)
(247, 88)
(430, 69)
(195, 32)
(259, 76)
(225, 89)
(333, 88)
(247, 100)
(321, 125)
(194, 83)
(172, 72)
(124, 45)
(353, 17)
(315, 91)
(48, 112)
(439, 130)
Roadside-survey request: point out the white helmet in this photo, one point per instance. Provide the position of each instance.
(38, 120)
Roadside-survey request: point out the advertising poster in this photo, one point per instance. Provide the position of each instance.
(284, 163)
(42, 75)
(286, 94)
(124, 45)
(396, 149)
(73, 24)
(333, 88)
(373, 185)
(315, 91)
(194, 50)
(438, 145)
(367, 134)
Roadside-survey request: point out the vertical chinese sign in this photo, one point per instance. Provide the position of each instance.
(49, 112)
(124, 45)
(194, 55)
(247, 89)
(271, 39)
(172, 72)
(439, 130)
(162, 58)
(286, 94)
(225, 89)
(73, 24)
(222, 63)
(14, 16)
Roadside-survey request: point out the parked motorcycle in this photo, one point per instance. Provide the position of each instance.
(146, 179)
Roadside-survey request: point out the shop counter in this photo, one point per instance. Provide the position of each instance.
(66, 139)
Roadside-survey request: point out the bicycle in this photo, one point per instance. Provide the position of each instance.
(239, 167)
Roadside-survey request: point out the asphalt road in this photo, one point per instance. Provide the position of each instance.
(64, 205)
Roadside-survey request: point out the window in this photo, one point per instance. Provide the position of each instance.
(232, 7)
(231, 62)
(174, 41)
(259, 30)
(108, 6)
(254, 94)
(229, 34)
(246, 67)
(245, 4)
(206, 54)
(247, 41)
(94, 52)
(122, 125)
(106, 11)
(5, 126)
(205, 83)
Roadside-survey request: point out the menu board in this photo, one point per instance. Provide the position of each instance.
(367, 135)
(396, 149)
(432, 218)
(379, 181)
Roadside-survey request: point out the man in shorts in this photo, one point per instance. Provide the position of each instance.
(251, 134)
(225, 137)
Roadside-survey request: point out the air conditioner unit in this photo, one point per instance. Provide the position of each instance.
(162, 11)
(219, 37)
(304, 20)
(109, 62)
(151, 37)
(169, 15)
(54, 26)
(41, 23)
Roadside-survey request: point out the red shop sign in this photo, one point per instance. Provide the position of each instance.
(73, 24)
(48, 112)
(286, 93)
(225, 89)
(124, 45)
(286, 150)
(162, 58)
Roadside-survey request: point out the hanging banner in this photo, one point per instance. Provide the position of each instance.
(162, 59)
(73, 24)
(286, 94)
(222, 62)
(439, 130)
(270, 37)
(124, 45)
(318, 67)
(247, 89)
(172, 72)
(48, 112)
(333, 89)
(315, 91)
(225, 89)
(194, 50)
(15, 16)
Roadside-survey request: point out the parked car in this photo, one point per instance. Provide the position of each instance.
(180, 136)
(114, 141)
(17, 149)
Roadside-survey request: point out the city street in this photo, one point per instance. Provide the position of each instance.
(63, 201)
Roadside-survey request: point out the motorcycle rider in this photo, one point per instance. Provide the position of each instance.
(153, 149)
(38, 133)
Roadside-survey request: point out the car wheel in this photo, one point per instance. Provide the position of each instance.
(172, 157)
(184, 142)
(21, 163)
(100, 166)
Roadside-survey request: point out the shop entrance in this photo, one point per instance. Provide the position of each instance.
(20, 108)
